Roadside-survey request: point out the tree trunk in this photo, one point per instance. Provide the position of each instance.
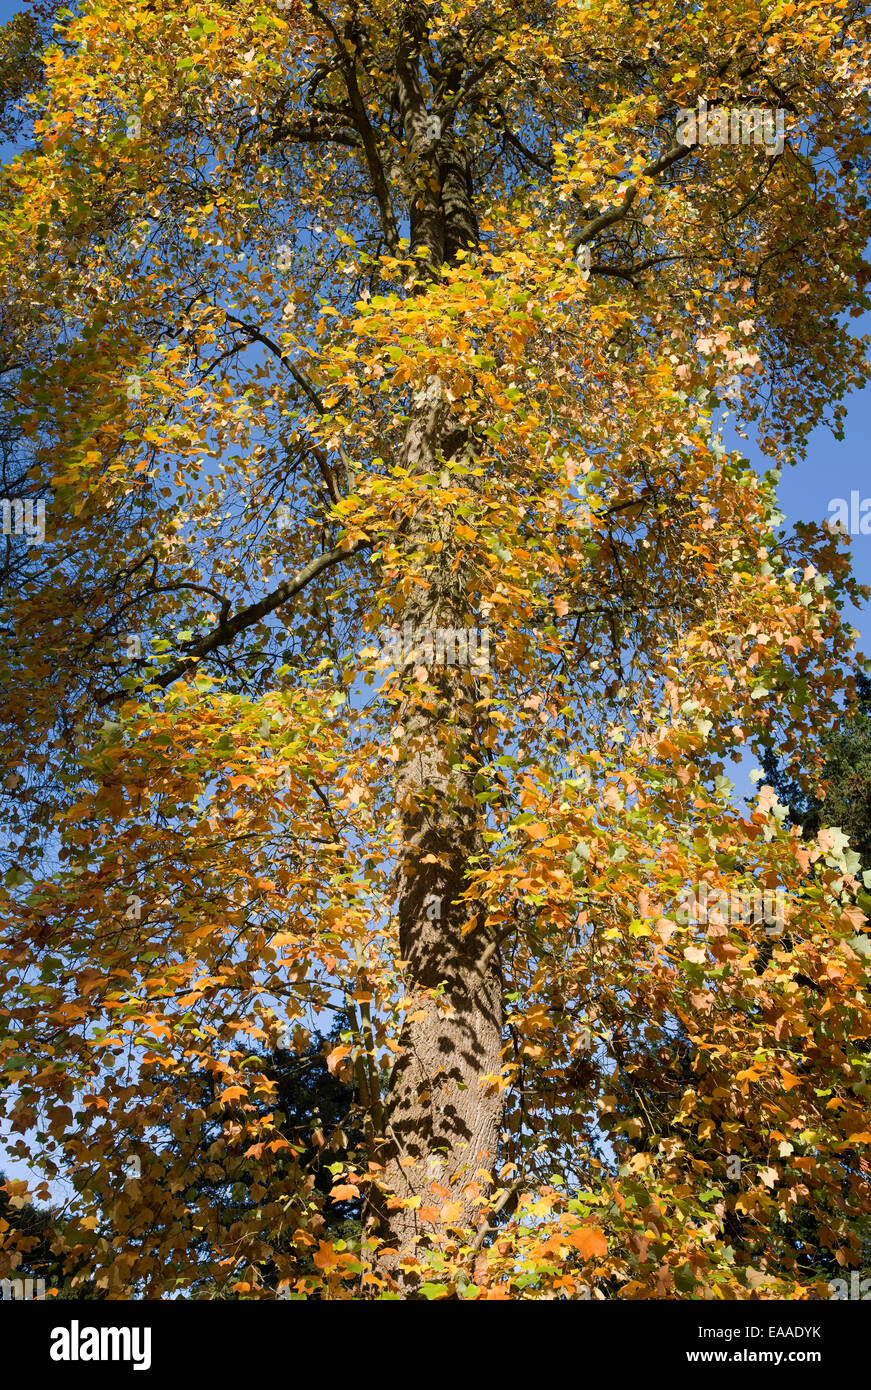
(442, 1121)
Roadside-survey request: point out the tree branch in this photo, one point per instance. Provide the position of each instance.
(607, 219)
(228, 629)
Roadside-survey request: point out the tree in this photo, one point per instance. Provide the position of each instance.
(34, 1230)
(316, 1116)
(836, 794)
(400, 607)
(23, 41)
(840, 794)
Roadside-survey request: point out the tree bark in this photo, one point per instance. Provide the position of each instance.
(442, 1120)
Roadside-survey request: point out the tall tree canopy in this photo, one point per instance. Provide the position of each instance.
(398, 611)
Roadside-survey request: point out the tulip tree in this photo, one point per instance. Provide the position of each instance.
(400, 614)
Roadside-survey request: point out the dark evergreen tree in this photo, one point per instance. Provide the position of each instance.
(843, 797)
(316, 1112)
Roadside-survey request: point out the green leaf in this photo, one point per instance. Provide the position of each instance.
(432, 1291)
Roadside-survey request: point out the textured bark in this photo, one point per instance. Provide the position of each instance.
(442, 1121)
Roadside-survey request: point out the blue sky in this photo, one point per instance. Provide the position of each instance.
(831, 469)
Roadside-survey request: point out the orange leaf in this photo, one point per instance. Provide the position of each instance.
(336, 1058)
(590, 1241)
(232, 1093)
(452, 1212)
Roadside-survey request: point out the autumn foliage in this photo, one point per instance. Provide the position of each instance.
(300, 346)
